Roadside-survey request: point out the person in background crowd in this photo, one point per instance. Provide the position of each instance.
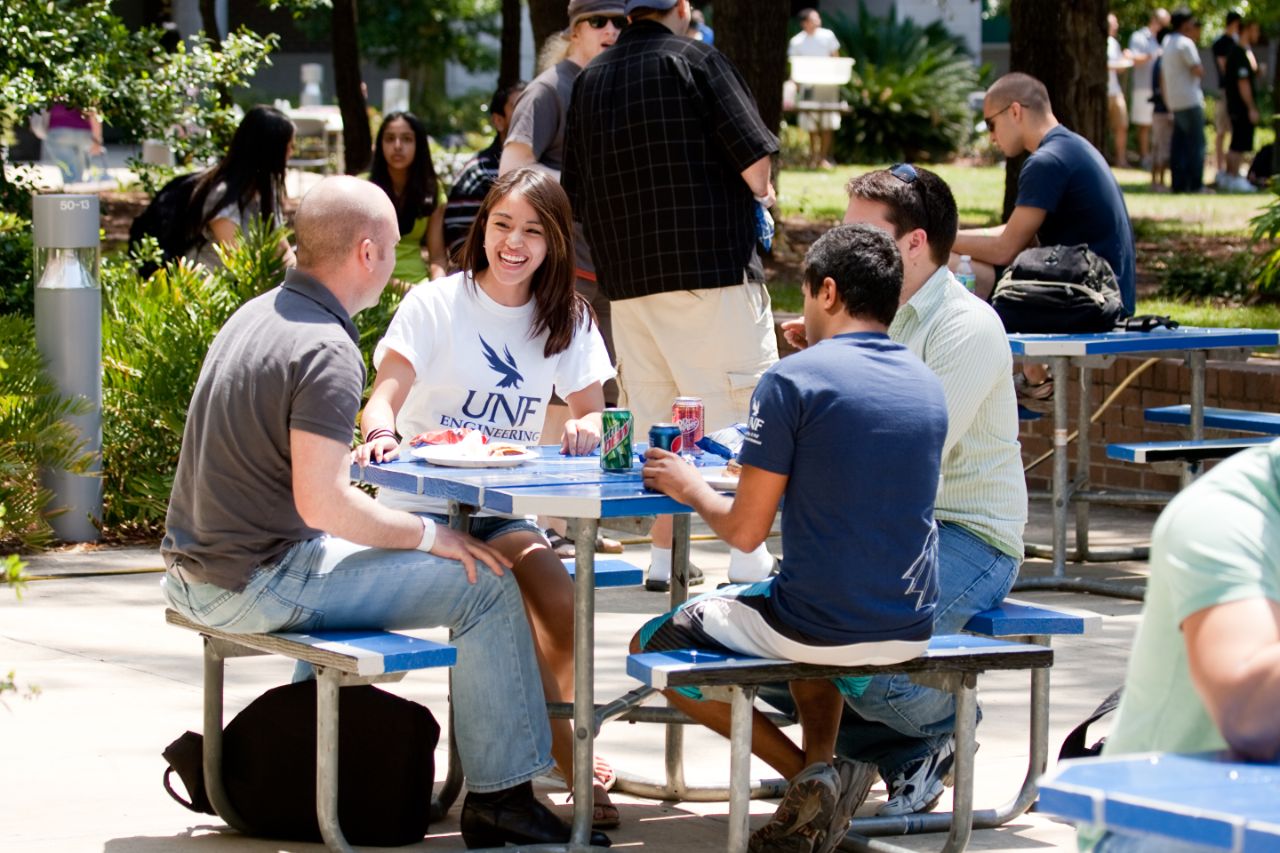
(1144, 50)
(247, 183)
(402, 167)
(1222, 48)
(1180, 64)
(265, 532)
(1204, 673)
(1241, 75)
(699, 30)
(1117, 111)
(483, 349)
(72, 138)
(1161, 125)
(473, 182)
(816, 40)
(666, 162)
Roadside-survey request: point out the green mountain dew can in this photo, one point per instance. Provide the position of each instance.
(618, 430)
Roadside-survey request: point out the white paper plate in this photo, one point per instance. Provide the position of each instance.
(717, 479)
(455, 456)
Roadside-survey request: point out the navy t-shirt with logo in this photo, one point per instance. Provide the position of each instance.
(856, 422)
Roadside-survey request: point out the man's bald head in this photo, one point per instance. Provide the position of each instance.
(336, 215)
(1021, 89)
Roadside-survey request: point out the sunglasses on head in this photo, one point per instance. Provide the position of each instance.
(597, 22)
(904, 172)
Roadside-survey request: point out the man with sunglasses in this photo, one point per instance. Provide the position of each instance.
(665, 158)
(906, 729)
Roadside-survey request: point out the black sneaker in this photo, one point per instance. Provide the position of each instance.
(695, 578)
(856, 779)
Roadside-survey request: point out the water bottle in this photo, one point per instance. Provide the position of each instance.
(964, 273)
(764, 227)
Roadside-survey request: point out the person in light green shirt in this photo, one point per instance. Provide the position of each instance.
(402, 167)
(1205, 670)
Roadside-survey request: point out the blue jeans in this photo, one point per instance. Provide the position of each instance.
(895, 720)
(500, 714)
(1186, 156)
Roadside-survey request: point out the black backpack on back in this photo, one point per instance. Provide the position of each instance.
(166, 219)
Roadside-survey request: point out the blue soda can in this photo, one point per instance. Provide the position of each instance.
(665, 436)
(764, 227)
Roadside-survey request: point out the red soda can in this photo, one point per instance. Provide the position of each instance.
(688, 413)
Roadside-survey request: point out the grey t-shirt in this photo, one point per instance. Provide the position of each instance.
(539, 121)
(287, 359)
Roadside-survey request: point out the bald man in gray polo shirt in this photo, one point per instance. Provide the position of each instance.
(266, 533)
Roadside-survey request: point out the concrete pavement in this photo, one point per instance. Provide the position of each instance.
(82, 764)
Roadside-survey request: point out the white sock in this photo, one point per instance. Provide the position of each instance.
(750, 567)
(659, 564)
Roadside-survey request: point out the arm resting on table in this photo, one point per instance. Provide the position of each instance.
(1234, 654)
(743, 520)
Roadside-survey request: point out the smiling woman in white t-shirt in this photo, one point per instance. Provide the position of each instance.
(483, 349)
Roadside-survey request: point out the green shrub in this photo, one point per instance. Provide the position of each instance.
(909, 91)
(1266, 227)
(33, 435)
(1188, 277)
(16, 292)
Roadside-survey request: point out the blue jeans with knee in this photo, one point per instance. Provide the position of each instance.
(1186, 153)
(895, 720)
(328, 583)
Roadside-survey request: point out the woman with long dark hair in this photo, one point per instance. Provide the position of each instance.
(402, 167)
(483, 349)
(247, 183)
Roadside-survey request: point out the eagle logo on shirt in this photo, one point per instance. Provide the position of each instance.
(921, 582)
(505, 367)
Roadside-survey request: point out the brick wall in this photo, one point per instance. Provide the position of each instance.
(1252, 385)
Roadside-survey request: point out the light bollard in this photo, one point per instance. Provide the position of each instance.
(69, 336)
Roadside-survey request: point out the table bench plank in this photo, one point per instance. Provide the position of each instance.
(1183, 451)
(1267, 423)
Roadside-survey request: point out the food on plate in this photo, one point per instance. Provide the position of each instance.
(448, 436)
(733, 468)
(506, 450)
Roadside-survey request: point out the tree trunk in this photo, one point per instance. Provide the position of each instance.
(356, 137)
(548, 17)
(509, 64)
(754, 37)
(1063, 44)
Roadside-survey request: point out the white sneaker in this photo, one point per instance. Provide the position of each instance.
(918, 786)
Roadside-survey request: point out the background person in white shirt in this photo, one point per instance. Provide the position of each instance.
(1180, 65)
(1144, 50)
(1117, 111)
(815, 40)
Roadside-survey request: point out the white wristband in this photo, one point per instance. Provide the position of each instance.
(428, 535)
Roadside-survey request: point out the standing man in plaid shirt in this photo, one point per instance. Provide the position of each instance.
(665, 159)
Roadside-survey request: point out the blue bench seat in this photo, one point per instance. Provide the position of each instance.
(1240, 420)
(1186, 452)
(610, 573)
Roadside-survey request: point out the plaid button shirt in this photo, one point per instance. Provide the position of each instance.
(469, 190)
(658, 133)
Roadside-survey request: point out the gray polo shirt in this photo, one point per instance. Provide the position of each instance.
(285, 360)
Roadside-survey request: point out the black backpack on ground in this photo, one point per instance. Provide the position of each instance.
(1074, 746)
(386, 766)
(166, 219)
(1058, 289)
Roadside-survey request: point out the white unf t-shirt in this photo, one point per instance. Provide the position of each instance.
(477, 366)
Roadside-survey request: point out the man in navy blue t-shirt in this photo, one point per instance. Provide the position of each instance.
(850, 432)
(1067, 194)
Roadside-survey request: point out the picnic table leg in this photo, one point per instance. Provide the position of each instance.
(1196, 360)
(966, 693)
(1084, 435)
(327, 681)
(1061, 475)
(212, 751)
(680, 526)
(741, 699)
(584, 718)
(459, 519)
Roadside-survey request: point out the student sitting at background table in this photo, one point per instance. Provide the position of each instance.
(1205, 669)
(247, 183)
(483, 349)
(402, 167)
(850, 432)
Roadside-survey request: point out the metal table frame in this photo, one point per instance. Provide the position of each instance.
(1087, 352)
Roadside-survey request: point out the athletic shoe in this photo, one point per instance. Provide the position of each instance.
(918, 786)
(804, 815)
(773, 573)
(856, 779)
(695, 578)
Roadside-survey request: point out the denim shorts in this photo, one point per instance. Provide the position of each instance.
(486, 528)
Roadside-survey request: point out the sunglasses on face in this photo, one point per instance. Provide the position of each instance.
(597, 22)
(991, 119)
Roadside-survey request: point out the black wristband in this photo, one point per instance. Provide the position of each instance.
(380, 432)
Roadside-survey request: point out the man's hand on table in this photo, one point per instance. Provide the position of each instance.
(667, 473)
(467, 550)
(793, 332)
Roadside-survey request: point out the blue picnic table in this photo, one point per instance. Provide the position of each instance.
(1086, 352)
(1210, 799)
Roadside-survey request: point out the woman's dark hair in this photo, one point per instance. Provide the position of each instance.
(254, 167)
(558, 309)
(421, 190)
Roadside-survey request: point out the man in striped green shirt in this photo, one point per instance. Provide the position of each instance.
(981, 507)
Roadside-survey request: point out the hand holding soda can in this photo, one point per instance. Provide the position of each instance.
(665, 437)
